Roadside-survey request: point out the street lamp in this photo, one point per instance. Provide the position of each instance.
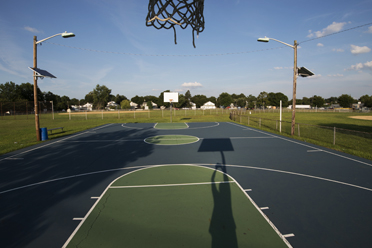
(266, 39)
(36, 104)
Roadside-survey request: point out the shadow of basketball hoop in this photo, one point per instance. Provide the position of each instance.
(222, 225)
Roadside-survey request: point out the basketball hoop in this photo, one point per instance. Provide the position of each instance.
(168, 13)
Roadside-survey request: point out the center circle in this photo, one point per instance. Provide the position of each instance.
(172, 139)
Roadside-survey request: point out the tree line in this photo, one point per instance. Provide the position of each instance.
(101, 95)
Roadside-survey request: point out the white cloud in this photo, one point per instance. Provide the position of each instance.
(369, 30)
(281, 68)
(358, 49)
(320, 45)
(192, 85)
(339, 50)
(32, 30)
(336, 75)
(360, 66)
(334, 27)
(315, 76)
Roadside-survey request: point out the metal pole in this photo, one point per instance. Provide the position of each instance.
(37, 126)
(280, 124)
(171, 112)
(294, 89)
(52, 110)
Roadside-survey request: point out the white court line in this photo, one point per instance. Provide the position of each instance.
(248, 190)
(94, 197)
(279, 137)
(92, 141)
(69, 177)
(234, 181)
(167, 185)
(77, 218)
(123, 125)
(288, 235)
(302, 175)
(52, 143)
(264, 208)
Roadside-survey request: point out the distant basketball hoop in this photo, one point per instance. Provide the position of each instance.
(171, 97)
(168, 13)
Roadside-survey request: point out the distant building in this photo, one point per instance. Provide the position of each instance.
(133, 105)
(112, 104)
(208, 105)
(300, 107)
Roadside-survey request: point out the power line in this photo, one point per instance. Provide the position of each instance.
(203, 55)
(164, 55)
(320, 37)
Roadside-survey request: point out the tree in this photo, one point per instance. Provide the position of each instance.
(212, 99)
(366, 100)
(225, 99)
(331, 100)
(149, 105)
(125, 104)
(251, 101)
(317, 101)
(138, 99)
(274, 99)
(161, 100)
(345, 101)
(188, 98)
(262, 99)
(89, 97)
(199, 100)
(119, 98)
(182, 102)
(101, 96)
(26, 92)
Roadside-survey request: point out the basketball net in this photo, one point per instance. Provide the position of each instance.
(168, 13)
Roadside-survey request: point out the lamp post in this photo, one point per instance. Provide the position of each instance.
(294, 78)
(36, 104)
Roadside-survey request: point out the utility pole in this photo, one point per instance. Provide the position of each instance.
(294, 89)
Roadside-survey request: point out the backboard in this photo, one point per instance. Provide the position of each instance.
(171, 97)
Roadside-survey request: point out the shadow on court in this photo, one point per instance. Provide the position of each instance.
(222, 227)
(59, 182)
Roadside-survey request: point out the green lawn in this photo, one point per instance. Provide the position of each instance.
(350, 135)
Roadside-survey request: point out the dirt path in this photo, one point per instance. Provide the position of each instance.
(369, 118)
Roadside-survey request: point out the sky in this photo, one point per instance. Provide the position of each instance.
(114, 47)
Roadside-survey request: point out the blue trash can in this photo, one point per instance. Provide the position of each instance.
(44, 133)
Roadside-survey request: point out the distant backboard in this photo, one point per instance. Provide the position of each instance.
(42, 73)
(170, 96)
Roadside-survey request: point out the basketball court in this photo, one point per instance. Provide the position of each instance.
(231, 185)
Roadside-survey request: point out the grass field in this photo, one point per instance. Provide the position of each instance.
(334, 130)
(17, 132)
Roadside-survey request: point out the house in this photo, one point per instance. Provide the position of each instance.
(145, 106)
(133, 105)
(208, 105)
(86, 107)
(112, 105)
(300, 107)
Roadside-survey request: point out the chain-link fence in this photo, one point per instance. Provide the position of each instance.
(332, 136)
(23, 110)
(26, 110)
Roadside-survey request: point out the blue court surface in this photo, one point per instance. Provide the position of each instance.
(310, 195)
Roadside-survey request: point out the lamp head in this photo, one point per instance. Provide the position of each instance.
(263, 39)
(67, 35)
